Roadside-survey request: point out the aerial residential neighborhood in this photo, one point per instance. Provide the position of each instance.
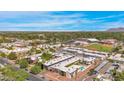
(44, 57)
(62, 46)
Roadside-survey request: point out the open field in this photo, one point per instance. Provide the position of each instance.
(100, 47)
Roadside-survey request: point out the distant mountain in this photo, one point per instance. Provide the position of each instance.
(119, 29)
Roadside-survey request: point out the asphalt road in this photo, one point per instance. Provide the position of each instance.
(32, 77)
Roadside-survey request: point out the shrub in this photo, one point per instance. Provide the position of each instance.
(35, 69)
(12, 56)
(23, 63)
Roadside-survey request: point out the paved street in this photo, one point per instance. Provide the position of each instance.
(31, 76)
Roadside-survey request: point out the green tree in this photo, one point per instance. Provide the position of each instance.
(8, 72)
(110, 60)
(21, 75)
(36, 69)
(12, 74)
(23, 63)
(96, 79)
(40, 64)
(38, 51)
(12, 56)
(2, 55)
(118, 76)
(46, 56)
(32, 51)
(52, 50)
(122, 52)
(10, 48)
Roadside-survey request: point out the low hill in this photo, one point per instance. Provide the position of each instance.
(119, 29)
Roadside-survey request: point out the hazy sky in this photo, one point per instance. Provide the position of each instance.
(60, 21)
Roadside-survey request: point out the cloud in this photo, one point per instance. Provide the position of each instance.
(107, 25)
(111, 16)
(70, 20)
(47, 21)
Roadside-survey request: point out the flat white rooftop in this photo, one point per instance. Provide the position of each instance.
(57, 60)
(89, 59)
(97, 52)
(62, 66)
(97, 55)
(93, 39)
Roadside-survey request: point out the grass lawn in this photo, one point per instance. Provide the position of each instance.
(100, 47)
